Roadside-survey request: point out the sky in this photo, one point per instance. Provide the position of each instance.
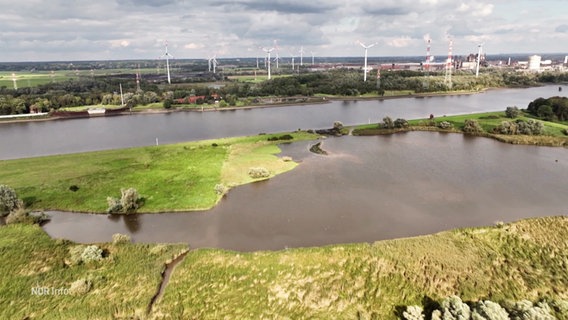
(72, 30)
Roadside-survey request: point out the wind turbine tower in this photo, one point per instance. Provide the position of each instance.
(138, 79)
(449, 65)
(478, 60)
(277, 58)
(301, 56)
(313, 53)
(268, 51)
(167, 56)
(15, 81)
(293, 57)
(367, 47)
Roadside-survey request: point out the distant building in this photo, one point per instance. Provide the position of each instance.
(534, 63)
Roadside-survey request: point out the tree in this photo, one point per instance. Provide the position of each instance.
(8, 200)
(168, 104)
(512, 112)
(387, 123)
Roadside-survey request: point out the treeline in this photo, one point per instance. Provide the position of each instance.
(342, 82)
(551, 109)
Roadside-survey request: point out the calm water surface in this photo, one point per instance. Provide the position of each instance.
(367, 189)
(30, 139)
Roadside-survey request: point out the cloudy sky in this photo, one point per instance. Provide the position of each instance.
(41, 30)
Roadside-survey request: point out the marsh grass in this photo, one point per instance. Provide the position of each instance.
(122, 283)
(522, 260)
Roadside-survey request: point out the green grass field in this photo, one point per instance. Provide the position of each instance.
(522, 260)
(122, 284)
(176, 177)
(553, 132)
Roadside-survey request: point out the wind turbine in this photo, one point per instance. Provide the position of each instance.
(366, 48)
(301, 56)
(268, 51)
(478, 60)
(167, 56)
(313, 53)
(15, 81)
(212, 62)
(293, 57)
(277, 58)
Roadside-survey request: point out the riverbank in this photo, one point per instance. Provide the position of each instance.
(553, 133)
(321, 100)
(507, 262)
(178, 177)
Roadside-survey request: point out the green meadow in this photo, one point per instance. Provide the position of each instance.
(177, 177)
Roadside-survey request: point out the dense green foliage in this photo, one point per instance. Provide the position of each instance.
(9, 200)
(551, 109)
(95, 90)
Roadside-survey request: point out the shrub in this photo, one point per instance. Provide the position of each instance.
(387, 123)
(129, 200)
(114, 205)
(220, 189)
(337, 125)
(287, 158)
(400, 123)
(80, 287)
(445, 125)
(118, 238)
(525, 310)
(258, 172)
(8, 200)
(91, 253)
(489, 310)
(506, 127)
(413, 313)
(512, 112)
(168, 103)
(282, 137)
(529, 127)
(73, 188)
(454, 309)
(472, 126)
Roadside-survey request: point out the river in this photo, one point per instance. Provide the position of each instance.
(31, 139)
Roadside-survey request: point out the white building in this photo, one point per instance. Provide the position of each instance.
(534, 63)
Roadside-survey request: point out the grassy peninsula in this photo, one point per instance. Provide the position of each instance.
(521, 260)
(177, 177)
(553, 133)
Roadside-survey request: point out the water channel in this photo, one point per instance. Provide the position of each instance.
(30, 139)
(367, 189)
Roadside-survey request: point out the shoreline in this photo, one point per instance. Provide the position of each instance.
(324, 100)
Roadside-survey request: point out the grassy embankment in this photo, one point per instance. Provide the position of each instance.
(521, 260)
(122, 284)
(553, 132)
(174, 177)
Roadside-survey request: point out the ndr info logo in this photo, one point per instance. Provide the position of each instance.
(49, 291)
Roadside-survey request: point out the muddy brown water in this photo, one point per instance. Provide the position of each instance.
(366, 189)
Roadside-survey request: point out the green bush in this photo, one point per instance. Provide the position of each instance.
(338, 125)
(472, 126)
(413, 313)
(445, 125)
(530, 127)
(118, 238)
(129, 200)
(512, 112)
(489, 310)
(387, 123)
(258, 172)
(80, 287)
(506, 127)
(220, 189)
(8, 200)
(19, 215)
(400, 123)
(454, 309)
(91, 253)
